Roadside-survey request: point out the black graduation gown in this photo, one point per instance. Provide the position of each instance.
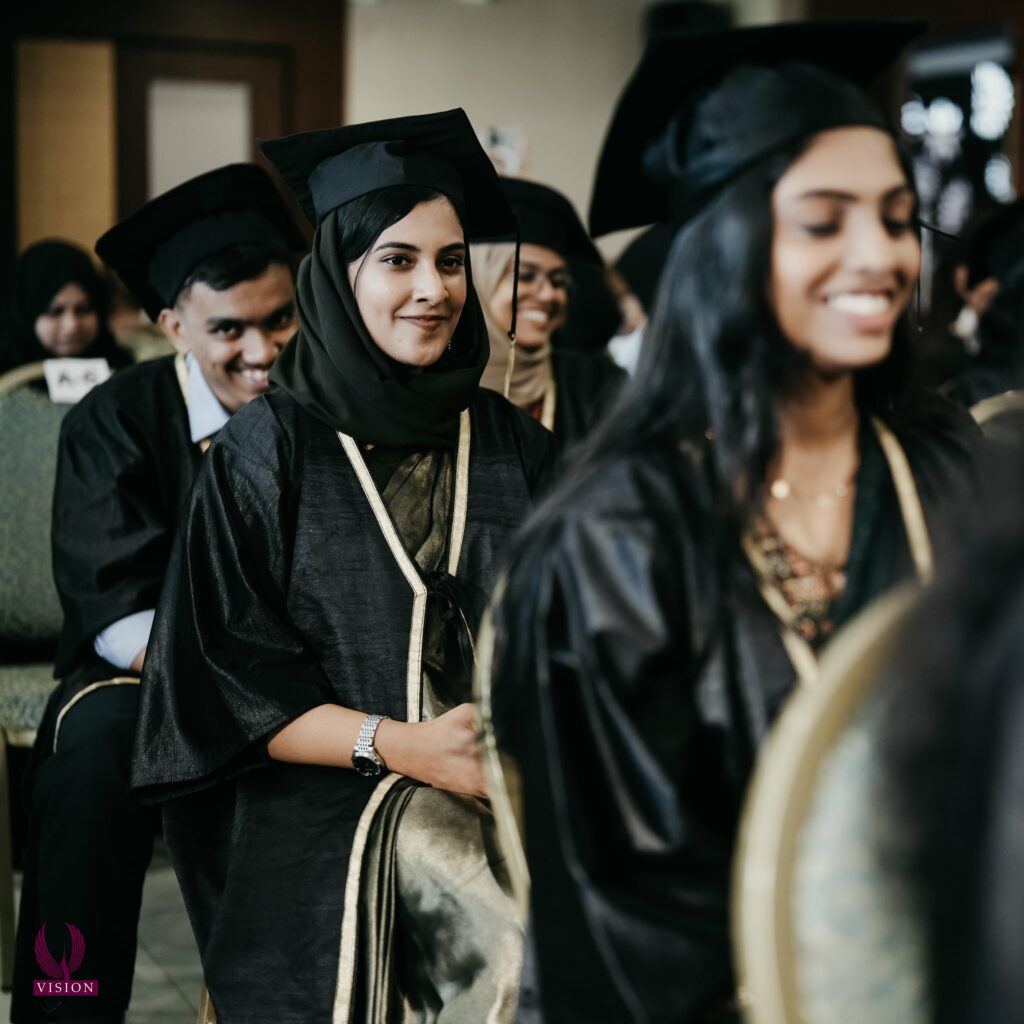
(124, 471)
(585, 385)
(288, 589)
(633, 690)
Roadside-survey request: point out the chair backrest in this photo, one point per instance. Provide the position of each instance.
(1001, 417)
(29, 431)
(824, 930)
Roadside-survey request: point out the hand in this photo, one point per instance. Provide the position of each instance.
(443, 753)
(139, 659)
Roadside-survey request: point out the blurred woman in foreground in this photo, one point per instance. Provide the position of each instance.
(767, 473)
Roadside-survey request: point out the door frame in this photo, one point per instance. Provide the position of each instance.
(140, 60)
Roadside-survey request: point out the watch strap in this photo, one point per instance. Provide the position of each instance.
(368, 731)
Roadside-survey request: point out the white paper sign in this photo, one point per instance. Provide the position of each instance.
(70, 380)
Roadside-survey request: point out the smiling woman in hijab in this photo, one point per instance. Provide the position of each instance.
(304, 711)
(566, 390)
(765, 475)
(60, 309)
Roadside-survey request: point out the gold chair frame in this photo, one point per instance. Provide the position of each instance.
(987, 408)
(10, 381)
(778, 803)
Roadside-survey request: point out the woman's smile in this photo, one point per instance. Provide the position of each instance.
(543, 295)
(426, 322)
(541, 316)
(866, 311)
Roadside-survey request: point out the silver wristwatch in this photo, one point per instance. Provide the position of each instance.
(365, 758)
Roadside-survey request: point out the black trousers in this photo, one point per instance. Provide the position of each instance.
(88, 846)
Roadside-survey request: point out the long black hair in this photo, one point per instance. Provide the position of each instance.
(714, 361)
(1001, 330)
(362, 220)
(714, 365)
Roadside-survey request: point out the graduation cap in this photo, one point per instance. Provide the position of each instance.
(701, 107)
(545, 217)
(155, 249)
(996, 247)
(328, 168)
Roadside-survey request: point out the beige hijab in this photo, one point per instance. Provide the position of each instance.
(531, 369)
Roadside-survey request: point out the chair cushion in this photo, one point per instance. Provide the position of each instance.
(30, 427)
(24, 691)
(861, 956)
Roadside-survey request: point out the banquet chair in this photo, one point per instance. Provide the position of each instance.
(30, 612)
(824, 930)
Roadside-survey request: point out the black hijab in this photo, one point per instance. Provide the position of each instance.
(41, 272)
(336, 372)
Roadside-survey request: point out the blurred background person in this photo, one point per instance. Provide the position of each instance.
(564, 388)
(60, 310)
(769, 471)
(990, 281)
(592, 314)
(640, 267)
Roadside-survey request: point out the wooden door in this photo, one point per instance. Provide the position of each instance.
(255, 84)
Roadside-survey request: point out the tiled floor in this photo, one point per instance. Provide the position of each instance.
(168, 977)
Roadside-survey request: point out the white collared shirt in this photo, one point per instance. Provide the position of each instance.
(205, 413)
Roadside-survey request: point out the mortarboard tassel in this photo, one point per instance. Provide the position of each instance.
(510, 366)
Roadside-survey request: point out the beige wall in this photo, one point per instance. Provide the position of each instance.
(65, 124)
(552, 66)
(555, 67)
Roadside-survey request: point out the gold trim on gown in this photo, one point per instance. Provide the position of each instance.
(440, 934)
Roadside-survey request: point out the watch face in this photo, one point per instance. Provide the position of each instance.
(366, 765)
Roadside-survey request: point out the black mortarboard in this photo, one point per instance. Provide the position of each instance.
(328, 168)
(155, 249)
(996, 247)
(545, 217)
(703, 106)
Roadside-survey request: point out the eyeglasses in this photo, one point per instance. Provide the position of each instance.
(530, 275)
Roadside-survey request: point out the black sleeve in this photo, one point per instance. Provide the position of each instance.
(629, 884)
(111, 533)
(536, 446)
(226, 665)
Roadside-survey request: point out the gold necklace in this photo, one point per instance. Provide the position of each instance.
(800, 653)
